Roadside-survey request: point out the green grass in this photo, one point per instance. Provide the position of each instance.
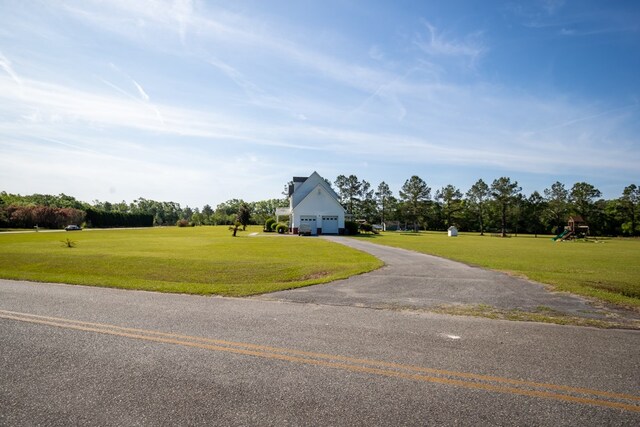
(199, 260)
(608, 270)
(541, 315)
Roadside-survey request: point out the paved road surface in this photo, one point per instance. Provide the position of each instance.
(73, 355)
(411, 280)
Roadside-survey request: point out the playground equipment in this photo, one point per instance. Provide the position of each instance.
(576, 228)
(566, 233)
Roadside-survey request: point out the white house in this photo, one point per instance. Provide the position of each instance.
(313, 201)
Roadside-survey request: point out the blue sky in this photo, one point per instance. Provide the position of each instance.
(200, 101)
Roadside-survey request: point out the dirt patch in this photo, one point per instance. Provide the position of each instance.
(314, 276)
(541, 314)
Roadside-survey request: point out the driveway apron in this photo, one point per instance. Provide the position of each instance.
(415, 281)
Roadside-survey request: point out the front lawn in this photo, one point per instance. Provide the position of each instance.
(608, 269)
(199, 260)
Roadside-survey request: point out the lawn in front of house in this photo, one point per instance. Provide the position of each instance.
(607, 269)
(198, 260)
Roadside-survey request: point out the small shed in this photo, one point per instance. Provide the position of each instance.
(453, 231)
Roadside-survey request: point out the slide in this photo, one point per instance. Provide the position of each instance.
(562, 235)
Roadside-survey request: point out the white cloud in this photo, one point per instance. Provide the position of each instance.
(182, 10)
(141, 91)
(5, 64)
(254, 119)
(438, 44)
(219, 28)
(485, 123)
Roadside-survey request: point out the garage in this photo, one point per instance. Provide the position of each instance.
(311, 221)
(329, 225)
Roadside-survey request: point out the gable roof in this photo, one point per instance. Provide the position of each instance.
(330, 206)
(308, 186)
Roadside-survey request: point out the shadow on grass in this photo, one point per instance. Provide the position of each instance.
(375, 236)
(365, 236)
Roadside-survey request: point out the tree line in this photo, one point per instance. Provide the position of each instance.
(496, 207)
(57, 211)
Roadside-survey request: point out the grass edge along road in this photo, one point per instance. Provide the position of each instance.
(199, 260)
(557, 392)
(608, 270)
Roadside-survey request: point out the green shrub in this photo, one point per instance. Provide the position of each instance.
(366, 228)
(270, 224)
(351, 227)
(281, 228)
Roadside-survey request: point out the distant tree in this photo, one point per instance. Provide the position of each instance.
(4, 219)
(206, 210)
(518, 210)
(29, 216)
(414, 194)
(197, 218)
(341, 186)
(236, 225)
(164, 213)
(583, 196)
(477, 197)
(557, 205)
(264, 209)
(243, 216)
(226, 212)
(121, 207)
(366, 205)
(187, 213)
(503, 192)
(349, 189)
(59, 201)
(207, 215)
(629, 203)
(451, 199)
(535, 204)
(382, 195)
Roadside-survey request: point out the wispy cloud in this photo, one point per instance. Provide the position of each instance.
(437, 43)
(143, 96)
(275, 94)
(5, 64)
(59, 104)
(579, 31)
(250, 89)
(552, 6)
(219, 28)
(141, 91)
(483, 118)
(183, 10)
(589, 117)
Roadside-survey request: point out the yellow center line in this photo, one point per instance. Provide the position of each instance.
(345, 358)
(276, 353)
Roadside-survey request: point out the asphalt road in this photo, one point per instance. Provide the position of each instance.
(415, 281)
(73, 355)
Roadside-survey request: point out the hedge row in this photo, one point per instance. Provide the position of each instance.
(102, 219)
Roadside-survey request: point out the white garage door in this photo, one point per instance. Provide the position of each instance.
(329, 225)
(311, 220)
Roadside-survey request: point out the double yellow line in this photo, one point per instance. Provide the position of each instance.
(556, 392)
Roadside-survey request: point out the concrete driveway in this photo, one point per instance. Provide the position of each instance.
(415, 281)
